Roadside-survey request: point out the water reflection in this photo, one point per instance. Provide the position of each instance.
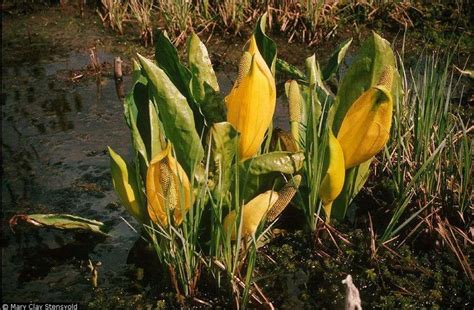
(42, 250)
(49, 120)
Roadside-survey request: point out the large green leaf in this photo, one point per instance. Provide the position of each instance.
(259, 173)
(224, 144)
(266, 46)
(364, 73)
(142, 119)
(62, 221)
(128, 187)
(176, 117)
(167, 58)
(336, 59)
(200, 65)
(136, 112)
(204, 87)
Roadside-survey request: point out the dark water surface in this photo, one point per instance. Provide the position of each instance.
(54, 138)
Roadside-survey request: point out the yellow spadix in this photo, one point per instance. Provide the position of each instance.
(366, 127)
(167, 189)
(333, 181)
(251, 102)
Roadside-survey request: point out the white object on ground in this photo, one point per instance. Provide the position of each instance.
(353, 301)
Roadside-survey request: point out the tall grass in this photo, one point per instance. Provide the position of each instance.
(142, 12)
(113, 14)
(429, 159)
(315, 144)
(309, 21)
(177, 15)
(233, 261)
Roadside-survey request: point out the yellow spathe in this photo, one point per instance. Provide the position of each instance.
(366, 127)
(252, 214)
(251, 102)
(167, 188)
(333, 181)
(123, 187)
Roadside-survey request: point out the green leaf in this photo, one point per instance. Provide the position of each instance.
(127, 186)
(224, 144)
(266, 46)
(167, 58)
(259, 173)
(283, 162)
(364, 73)
(62, 221)
(204, 87)
(286, 68)
(155, 131)
(336, 59)
(136, 114)
(200, 65)
(176, 117)
(138, 118)
(313, 72)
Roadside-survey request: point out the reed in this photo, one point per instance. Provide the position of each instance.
(141, 10)
(113, 14)
(429, 158)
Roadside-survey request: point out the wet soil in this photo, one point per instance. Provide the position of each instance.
(58, 117)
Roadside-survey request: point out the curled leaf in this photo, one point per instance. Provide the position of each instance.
(60, 221)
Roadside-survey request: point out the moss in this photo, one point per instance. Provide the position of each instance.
(312, 272)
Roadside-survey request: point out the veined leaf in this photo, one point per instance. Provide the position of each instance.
(315, 77)
(142, 119)
(136, 114)
(283, 162)
(176, 116)
(259, 173)
(155, 131)
(61, 221)
(200, 64)
(167, 58)
(203, 86)
(266, 46)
